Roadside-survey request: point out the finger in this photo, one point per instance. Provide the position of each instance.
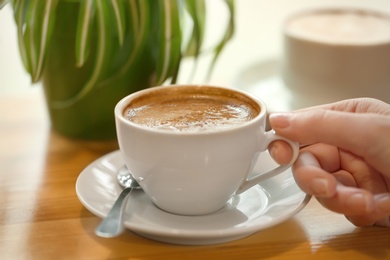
(327, 156)
(311, 178)
(382, 204)
(323, 126)
(356, 105)
(349, 201)
(361, 221)
(281, 152)
(365, 135)
(345, 178)
(360, 174)
(379, 217)
(329, 159)
(357, 204)
(382, 213)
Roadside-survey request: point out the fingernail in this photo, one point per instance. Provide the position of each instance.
(274, 148)
(320, 187)
(359, 200)
(383, 202)
(280, 120)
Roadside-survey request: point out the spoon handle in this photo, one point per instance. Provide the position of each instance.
(112, 225)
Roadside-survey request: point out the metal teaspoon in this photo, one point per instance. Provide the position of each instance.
(112, 225)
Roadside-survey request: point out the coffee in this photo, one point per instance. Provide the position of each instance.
(211, 139)
(342, 26)
(191, 109)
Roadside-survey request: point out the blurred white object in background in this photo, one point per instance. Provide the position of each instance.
(332, 54)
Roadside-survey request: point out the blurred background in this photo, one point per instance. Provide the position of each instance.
(256, 46)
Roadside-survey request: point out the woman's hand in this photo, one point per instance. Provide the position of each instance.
(345, 163)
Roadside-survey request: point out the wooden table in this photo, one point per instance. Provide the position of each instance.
(41, 217)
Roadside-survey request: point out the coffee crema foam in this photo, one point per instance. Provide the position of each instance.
(191, 110)
(341, 26)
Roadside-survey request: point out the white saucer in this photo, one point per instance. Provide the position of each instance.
(264, 81)
(262, 206)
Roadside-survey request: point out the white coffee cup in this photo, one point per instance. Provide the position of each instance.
(195, 172)
(335, 53)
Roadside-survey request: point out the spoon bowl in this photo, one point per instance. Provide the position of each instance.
(126, 179)
(113, 225)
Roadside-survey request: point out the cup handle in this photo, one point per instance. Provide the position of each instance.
(271, 136)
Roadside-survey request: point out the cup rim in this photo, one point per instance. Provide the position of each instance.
(331, 8)
(118, 111)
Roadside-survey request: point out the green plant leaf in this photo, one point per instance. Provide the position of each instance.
(39, 27)
(84, 31)
(103, 53)
(3, 3)
(140, 14)
(226, 37)
(169, 40)
(119, 11)
(137, 31)
(117, 37)
(29, 38)
(197, 11)
(20, 11)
